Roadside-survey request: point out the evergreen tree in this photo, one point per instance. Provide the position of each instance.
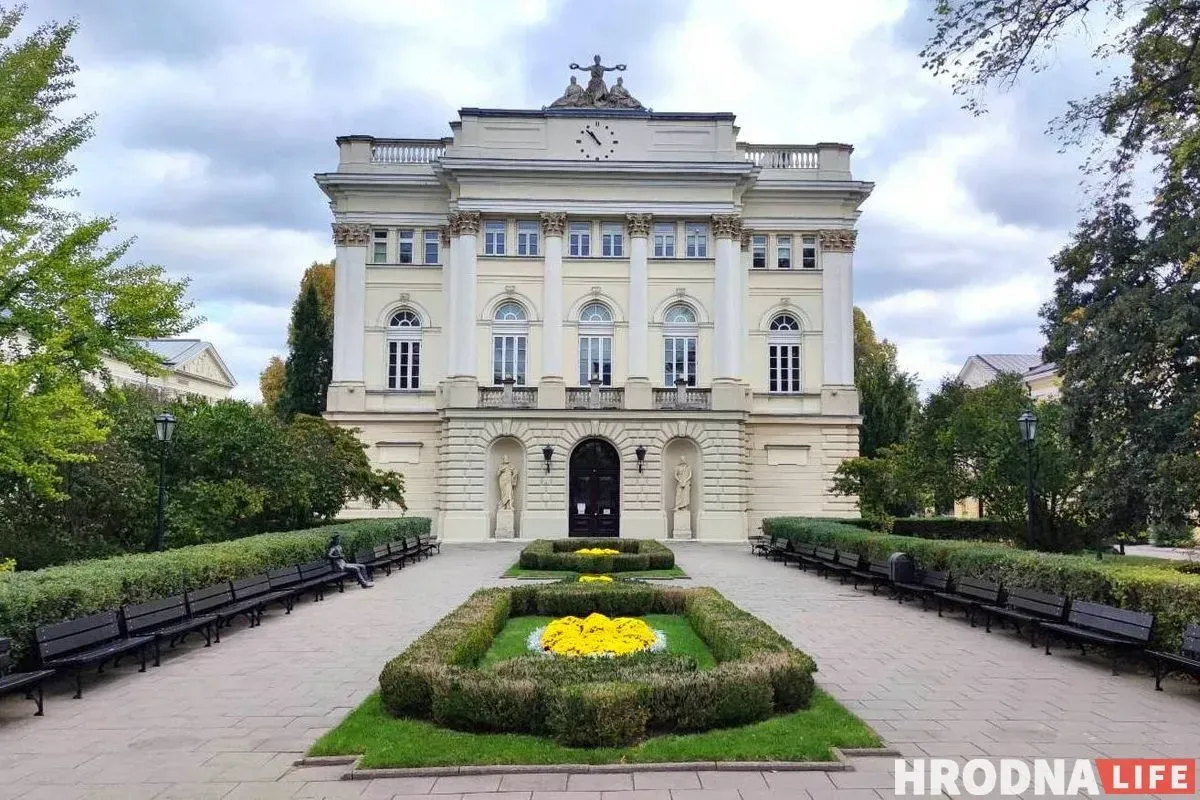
(309, 367)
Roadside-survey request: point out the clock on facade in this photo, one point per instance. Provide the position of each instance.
(597, 141)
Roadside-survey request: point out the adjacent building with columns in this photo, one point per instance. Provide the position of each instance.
(596, 294)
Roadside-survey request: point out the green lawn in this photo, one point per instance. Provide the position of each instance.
(515, 571)
(385, 741)
(681, 639)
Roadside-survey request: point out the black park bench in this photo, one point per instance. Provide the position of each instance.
(28, 682)
(926, 585)
(1186, 660)
(217, 600)
(408, 549)
(1026, 607)
(79, 643)
(806, 555)
(377, 557)
(851, 561)
(758, 545)
(970, 594)
(826, 561)
(166, 619)
(876, 573)
(428, 544)
(1117, 629)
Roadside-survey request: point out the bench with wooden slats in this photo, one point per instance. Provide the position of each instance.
(1116, 629)
(927, 584)
(826, 561)
(1028, 607)
(851, 561)
(317, 576)
(970, 594)
(1187, 660)
(28, 682)
(82, 642)
(378, 557)
(876, 573)
(167, 619)
(429, 544)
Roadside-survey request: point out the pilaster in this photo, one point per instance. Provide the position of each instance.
(553, 225)
(347, 390)
(639, 313)
(837, 276)
(464, 227)
(727, 230)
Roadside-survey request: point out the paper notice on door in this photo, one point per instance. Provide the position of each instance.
(579, 508)
(606, 511)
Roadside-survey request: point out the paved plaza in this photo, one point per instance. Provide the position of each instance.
(229, 721)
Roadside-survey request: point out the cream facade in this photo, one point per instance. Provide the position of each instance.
(191, 367)
(597, 294)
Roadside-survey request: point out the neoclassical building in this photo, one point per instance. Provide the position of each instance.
(597, 293)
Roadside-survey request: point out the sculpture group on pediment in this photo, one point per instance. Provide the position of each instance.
(597, 94)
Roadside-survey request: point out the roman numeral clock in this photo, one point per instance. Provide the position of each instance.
(597, 141)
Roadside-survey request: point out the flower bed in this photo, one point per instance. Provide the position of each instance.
(589, 702)
(624, 555)
(596, 635)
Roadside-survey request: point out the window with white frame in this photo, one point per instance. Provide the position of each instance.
(758, 251)
(679, 345)
(696, 237)
(808, 252)
(379, 247)
(493, 238)
(612, 240)
(595, 344)
(664, 240)
(783, 252)
(783, 355)
(579, 240)
(510, 341)
(432, 243)
(404, 245)
(404, 351)
(527, 238)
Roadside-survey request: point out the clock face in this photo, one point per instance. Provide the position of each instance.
(596, 141)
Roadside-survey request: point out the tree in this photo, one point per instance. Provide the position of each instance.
(270, 381)
(320, 275)
(887, 397)
(66, 301)
(309, 366)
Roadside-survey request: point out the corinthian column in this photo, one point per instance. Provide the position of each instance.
(727, 230)
(837, 276)
(464, 227)
(639, 311)
(553, 226)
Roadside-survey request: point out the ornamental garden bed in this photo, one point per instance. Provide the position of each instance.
(552, 558)
(714, 684)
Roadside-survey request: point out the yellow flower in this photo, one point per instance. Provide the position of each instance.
(597, 635)
(595, 579)
(597, 551)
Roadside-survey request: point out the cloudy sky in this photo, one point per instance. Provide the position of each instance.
(213, 117)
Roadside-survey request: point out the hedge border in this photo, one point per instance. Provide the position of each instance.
(67, 591)
(557, 555)
(1171, 591)
(759, 673)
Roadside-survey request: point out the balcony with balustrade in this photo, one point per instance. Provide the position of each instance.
(509, 395)
(682, 398)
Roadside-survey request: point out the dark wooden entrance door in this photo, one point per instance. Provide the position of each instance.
(595, 496)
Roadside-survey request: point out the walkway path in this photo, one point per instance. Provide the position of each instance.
(228, 722)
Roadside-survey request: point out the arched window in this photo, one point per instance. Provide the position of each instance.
(595, 344)
(510, 343)
(404, 350)
(679, 345)
(783, 355)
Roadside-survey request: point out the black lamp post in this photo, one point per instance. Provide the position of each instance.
(1027, 423)
(547, 454)
(164, 428)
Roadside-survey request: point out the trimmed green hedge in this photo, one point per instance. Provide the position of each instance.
(597, 702)
(1170, 591)
(979, 530)
(637, 555)
(55, 594)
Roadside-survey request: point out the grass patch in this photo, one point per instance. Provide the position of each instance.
(386, 741)
(516, 571)
(681, 639)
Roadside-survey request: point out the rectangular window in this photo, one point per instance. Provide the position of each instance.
(679, 359)
(783, 256)
(404, 365)
(580, 239)
(379, 243)
(664, 240)
(508, 359)
(527, 238)
(612, 240)
(808, 254)
(784, 368)
(595, 359)
(493, 238)
(432, 241)
(405, 246)
(758, 252)
(697, 240)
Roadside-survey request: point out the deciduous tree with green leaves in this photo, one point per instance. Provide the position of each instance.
(887, 397)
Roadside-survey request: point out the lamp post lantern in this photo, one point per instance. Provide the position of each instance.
(164, 429)
(1027, 423)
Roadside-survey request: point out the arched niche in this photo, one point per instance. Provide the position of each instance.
(689, 451)
(511, 447)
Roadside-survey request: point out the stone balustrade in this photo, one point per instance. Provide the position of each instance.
(407, 151)
(595, 397)
(682, 398)
(782, 156)
(507, 396)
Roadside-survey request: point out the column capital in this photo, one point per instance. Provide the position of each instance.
(554, 223)
(726, 226)
(838, 241)
(639, 224)
(464, 223)
(351, 234)
(745, 237)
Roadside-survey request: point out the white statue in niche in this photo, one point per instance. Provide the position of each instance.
(683, 485)
(506, 480)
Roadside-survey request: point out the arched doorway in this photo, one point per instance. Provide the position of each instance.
(594, 477)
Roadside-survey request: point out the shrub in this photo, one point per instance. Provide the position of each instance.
(55, 594)
(597, 702)
(637, 555)
(979, 530)
(1167, 590)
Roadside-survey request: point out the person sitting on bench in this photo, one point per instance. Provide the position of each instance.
(333, 551)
